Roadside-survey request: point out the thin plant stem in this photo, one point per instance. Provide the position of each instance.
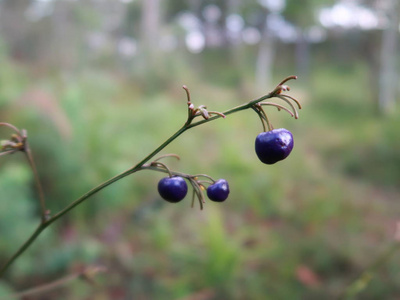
(286, 80)
(28, 154)
(197, 189)
(168, 155)
(106, 183)
(204, 175)
(90, 193)
(23, 247)
(296, 114)
(11, 126)
(232, 110)
(139, 166)
(21, 138)
(262, 118)
(279, 107)
(87, 273)
(193, 198)
(8, 152)
(265, 117)
(293, 99)
(157, 163)
(44, 288)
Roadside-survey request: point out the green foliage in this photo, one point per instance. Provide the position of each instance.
(380, 153)
(363, 145)
(5, 289)
(308, 17)
(313, 210)
(17, 204)
(12, 78)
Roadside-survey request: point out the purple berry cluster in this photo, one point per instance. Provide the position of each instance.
(174, 189)
(271, 146)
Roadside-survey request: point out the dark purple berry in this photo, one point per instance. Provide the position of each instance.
(172, 189)
(218, 191)
(274, 145)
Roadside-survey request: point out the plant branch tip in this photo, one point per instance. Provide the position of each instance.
(167, 155)
(19, 132)
(157, 163)
(187, 94)
(279, 107)
(292, 77)
(217, 113)
(292, 98)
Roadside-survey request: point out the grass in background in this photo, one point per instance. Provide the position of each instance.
(300, 229)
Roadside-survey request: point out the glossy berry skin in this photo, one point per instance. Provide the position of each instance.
(172, 189)
(218, 191)
(274, 145)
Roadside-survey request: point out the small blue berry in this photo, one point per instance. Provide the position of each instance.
(218, 191)
(274, 145)
(172, 189)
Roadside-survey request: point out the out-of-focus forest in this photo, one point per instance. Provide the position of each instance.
(98, 85)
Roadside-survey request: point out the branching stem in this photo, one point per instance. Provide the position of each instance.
(47, 219)
(86, 274)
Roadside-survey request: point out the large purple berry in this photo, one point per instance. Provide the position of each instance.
(172, 189)
(274, 145)
(218, 191)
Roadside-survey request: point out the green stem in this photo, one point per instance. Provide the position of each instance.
(24, 246)
(262, 118)
(44, 224)
(45, 288)
(28, 154)
(138, 166)
(106, 183)
(232, 110)
(189, 124)
(86, 275)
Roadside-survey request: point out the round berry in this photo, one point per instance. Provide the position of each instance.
(172, 189)
(274, 145)
(218, 191)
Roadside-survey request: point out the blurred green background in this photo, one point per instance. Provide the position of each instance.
(97, 84)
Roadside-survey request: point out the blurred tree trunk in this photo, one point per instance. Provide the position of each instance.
(371, 48)
(14, 26)
(63, 50)
(302, 56)
(265, 58)
(237, 55)
(389, 59)
(150, 31)
(150, 48)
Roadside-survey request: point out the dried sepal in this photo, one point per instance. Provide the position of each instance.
(199, 111)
